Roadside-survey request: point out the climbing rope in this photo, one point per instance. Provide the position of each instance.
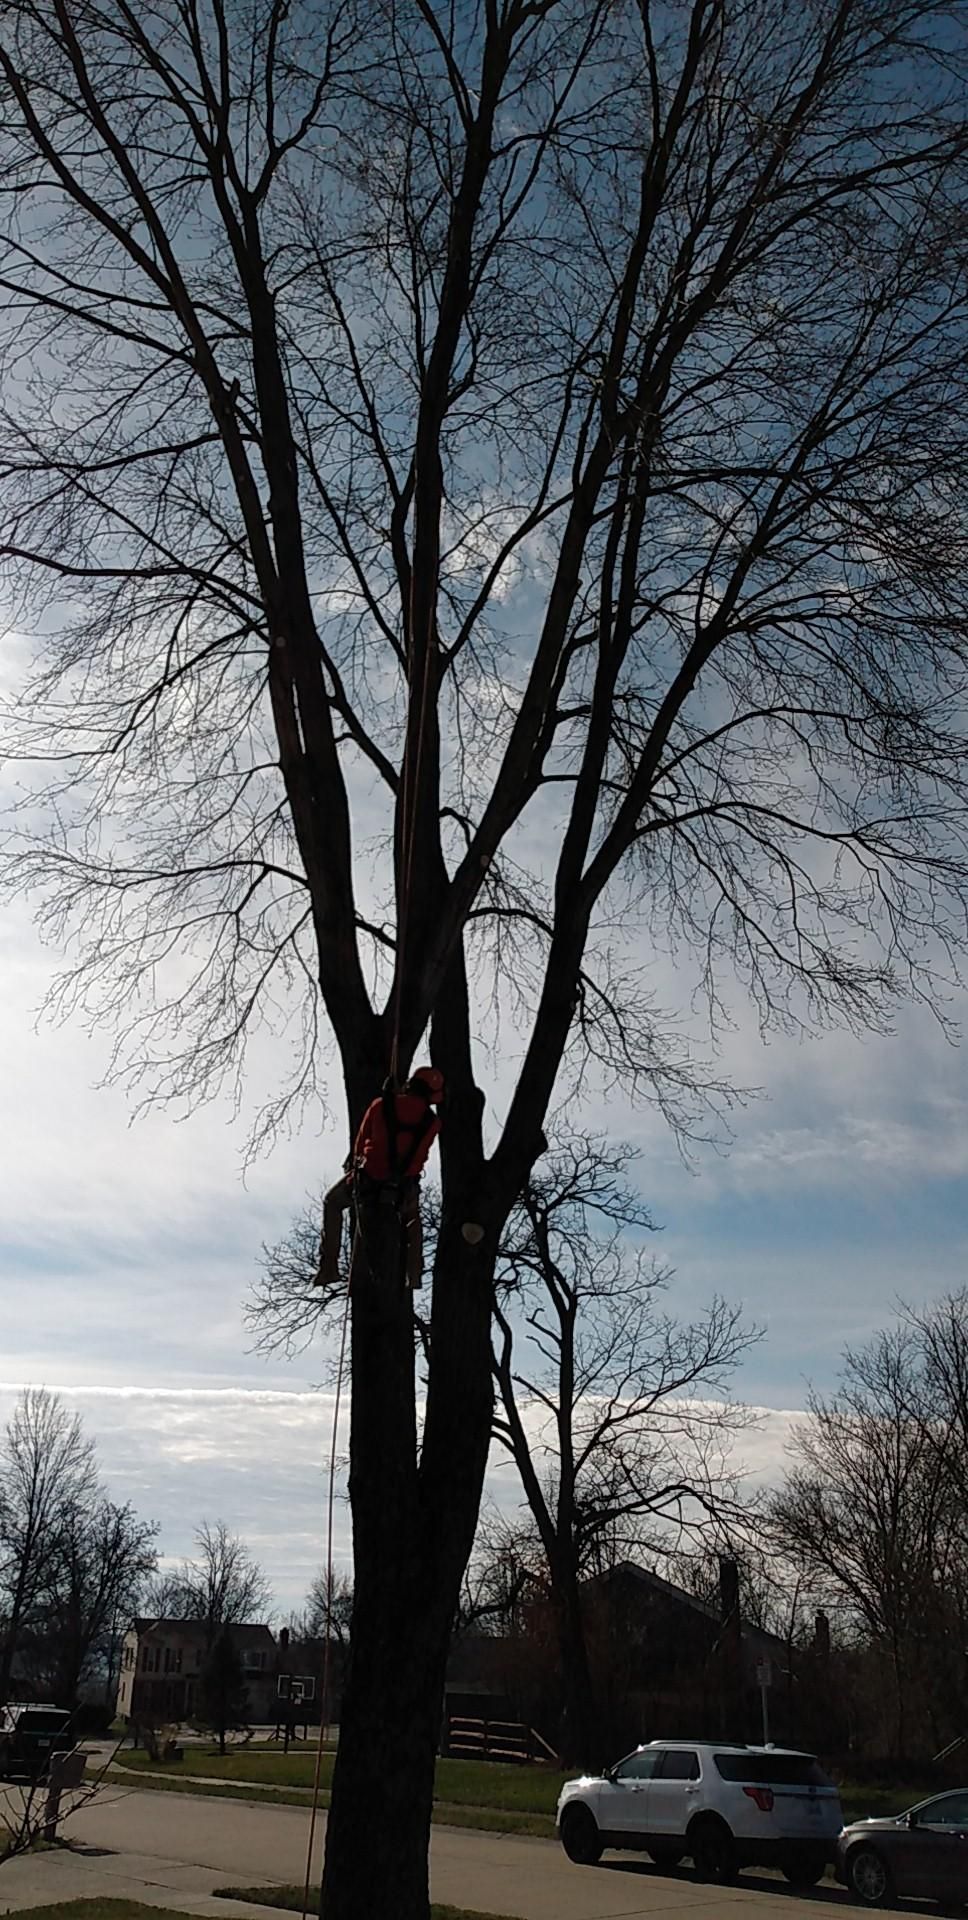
(324, 1701)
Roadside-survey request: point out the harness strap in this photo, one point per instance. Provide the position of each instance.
(418, 1133)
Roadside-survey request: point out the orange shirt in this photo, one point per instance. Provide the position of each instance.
(373, 1149)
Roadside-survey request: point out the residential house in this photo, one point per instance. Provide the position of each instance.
(162, 1661)
(664, 1663)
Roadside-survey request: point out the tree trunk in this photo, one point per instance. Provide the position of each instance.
(14, 1620)
(580, 1736)
(412, 1531)
(900, 1699)
(378, 1831)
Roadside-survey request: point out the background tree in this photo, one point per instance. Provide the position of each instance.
(72, 1563)
(940, 1333)
(549, 422)
(616, 1415)
(222, 1696)
(46, 1469)
(505, 1570)
(635, 1423)
(329, 1607)
(95, 1572)
(223, 1585)
(868, 1514)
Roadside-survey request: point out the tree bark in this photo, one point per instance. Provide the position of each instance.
(413, 1526)
(580, 1733)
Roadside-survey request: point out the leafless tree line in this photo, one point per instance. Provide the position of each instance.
(73, 1563)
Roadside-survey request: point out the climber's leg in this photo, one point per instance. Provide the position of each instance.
(335, 1204)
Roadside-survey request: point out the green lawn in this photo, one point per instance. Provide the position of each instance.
(468, 1792)
(459, 1783)
(291, 1899)
(538, 1826)
(870, 1803)
(99, 1910)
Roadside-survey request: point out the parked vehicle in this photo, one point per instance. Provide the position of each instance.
(29, 1733)
(923, 1853)
(723, 1806)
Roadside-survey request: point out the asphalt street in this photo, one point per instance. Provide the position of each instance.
(185, 1840)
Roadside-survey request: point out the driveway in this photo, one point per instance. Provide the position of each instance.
(181, 1840)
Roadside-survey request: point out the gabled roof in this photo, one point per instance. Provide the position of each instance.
(756, 1638)
(245, 1633)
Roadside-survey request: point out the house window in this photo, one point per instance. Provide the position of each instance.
(145, 1656)
(178, 1660)
(254, 1658)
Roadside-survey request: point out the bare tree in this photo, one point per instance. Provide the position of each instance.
(48, 1483)
(616, 1415)
(539, 425)
(505, 1571)
(867, 1510)
(223, 1585)
(329, 1607)
(95, 1569)
(632, 1449)
(941, 1335)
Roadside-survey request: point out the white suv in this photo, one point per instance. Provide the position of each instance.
(724, 1806)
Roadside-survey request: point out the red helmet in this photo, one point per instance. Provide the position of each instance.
(428, 1081)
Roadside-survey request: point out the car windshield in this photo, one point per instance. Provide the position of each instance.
(772, 1769)
(35, 1720)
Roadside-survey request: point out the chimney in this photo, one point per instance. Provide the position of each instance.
(732, 1703)
(729, 1590)
(283, 1639)
(821, 1636)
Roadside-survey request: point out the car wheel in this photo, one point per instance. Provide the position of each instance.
(665, 1857)
(804, 1868)
(713, 1851)
(580, 1836)
(869, 1878)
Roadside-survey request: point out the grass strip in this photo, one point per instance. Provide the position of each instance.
(468, 1793)
(99, 1910)
(291, 1900)
(472, 1783)
(536, 1826)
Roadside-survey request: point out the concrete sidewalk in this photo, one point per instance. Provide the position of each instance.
(42, 1879)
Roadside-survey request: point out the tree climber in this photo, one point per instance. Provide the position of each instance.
(389, 1154)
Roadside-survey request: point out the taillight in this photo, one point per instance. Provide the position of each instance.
(763, 1797)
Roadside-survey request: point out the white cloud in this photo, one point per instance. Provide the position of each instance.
(259, 1459)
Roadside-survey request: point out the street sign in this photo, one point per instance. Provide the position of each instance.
(764, 1671)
